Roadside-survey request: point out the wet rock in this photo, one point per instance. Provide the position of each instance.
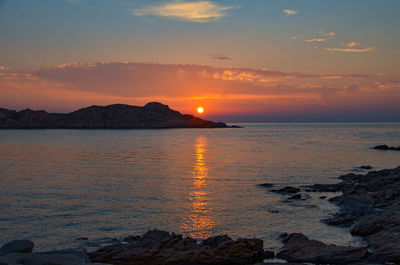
(21, 246)
(381, 147)
(298, 248)
(366, 167)
(323, 187)
(299, 196)
(295, 197)
(160, 247)
(131, 238)
(385, 147)
(287, 190)
(266, 185)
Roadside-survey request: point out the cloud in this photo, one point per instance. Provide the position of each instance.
(316, 40)
(352, 46)
(219, 56)
(353, 87)
(289, 12)
(296, 37)
(200, 12)
(322, 36)
(356, 50)
(328, 34)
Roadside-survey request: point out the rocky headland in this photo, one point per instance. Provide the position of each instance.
(118, 116)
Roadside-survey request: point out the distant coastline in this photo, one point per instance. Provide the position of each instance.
(153, 115)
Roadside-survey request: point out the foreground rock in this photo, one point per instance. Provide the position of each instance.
(160, 247)
(370, 205)
(20, 246)
(18, 252)
(386, 148)
(298, 248)
(152, 115)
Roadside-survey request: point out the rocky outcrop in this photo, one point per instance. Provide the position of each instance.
(370, 205)
(386, 148)
(152, 115)
(160, 247)
(298, 248)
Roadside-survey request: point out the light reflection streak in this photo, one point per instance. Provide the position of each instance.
(199, 223)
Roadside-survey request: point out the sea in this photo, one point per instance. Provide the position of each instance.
(87, 188)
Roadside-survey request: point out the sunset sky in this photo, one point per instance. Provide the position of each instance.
(243, 60)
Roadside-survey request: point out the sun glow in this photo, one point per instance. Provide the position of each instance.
(200, 109)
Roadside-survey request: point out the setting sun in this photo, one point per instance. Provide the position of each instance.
(200, 109)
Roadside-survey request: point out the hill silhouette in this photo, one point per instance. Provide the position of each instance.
(116, 116)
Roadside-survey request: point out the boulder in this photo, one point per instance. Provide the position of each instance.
(20, 246)
(298, 248)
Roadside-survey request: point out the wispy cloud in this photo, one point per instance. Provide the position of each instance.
(289, 12)
(352, 46)
(200, 12)
(296, 37)
(316, 40)
(219, 56)
(350, 49)
(317, 37)
(328, 34)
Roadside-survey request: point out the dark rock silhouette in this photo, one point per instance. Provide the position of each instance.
(384, 147)
(287, 190)
(117, 116)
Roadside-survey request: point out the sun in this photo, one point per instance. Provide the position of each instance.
(200, 109)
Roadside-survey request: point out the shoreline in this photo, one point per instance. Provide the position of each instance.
(368, 205)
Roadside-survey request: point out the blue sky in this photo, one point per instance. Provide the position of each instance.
(292, 36)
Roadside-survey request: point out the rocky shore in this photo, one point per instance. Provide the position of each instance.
(369, 205)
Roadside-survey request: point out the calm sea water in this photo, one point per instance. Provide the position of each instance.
(58, 185)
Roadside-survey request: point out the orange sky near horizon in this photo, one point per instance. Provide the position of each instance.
(221, 91)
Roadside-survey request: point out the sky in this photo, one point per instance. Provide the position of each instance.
(242, 60)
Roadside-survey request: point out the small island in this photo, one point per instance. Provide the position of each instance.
(153, 115)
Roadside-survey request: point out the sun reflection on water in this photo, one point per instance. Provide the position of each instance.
(199, 223)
